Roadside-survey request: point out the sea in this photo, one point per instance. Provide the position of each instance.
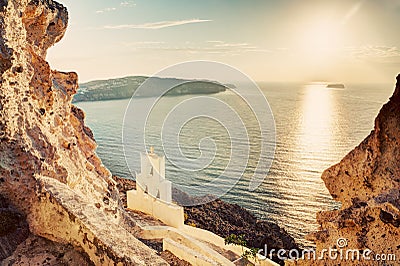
(315, 127)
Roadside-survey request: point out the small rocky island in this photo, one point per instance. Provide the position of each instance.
(335, 86)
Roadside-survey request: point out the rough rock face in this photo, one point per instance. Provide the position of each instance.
(48, 167)
(367, 183)
(13, 228)
(40, 251)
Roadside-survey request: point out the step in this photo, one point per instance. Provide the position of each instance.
(185, 253)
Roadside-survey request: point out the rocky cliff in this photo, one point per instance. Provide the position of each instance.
(49, 171)
(367, 183)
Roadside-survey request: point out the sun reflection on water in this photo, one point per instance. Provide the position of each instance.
(317, 121)
(312, 147)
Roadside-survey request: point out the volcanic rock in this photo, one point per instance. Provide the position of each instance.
(49, 170)
(367, 183)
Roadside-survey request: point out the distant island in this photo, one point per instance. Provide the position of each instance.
(335, 86)
(124, 88)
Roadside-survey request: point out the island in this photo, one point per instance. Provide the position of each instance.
(125, 88)
(335, 86)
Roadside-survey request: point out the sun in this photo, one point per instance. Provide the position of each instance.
(321, 40)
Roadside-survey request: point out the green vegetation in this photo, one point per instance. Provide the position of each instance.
(192, 224)
(124, 88)
(236, 240)
(233, 239)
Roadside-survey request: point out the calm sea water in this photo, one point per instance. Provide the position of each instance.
(315, 128)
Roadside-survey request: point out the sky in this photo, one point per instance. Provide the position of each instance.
(269, 40)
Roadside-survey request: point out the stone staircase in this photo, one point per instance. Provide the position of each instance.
(196, 246)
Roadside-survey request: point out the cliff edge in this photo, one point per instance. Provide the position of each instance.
(367, 183)
(49, 171)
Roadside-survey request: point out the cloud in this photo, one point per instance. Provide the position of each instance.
(376, 53)
(144, 44)
(208, 47)
(123, 4)
(127, 4)
(108, 9)
(215, 41)
(232, 44)
(236, 48)
(157, 25)
(353, 11)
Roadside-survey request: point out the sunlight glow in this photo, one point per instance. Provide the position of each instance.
(295, 41)
(321, 40)
(317, 119)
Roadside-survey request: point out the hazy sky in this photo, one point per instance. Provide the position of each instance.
(269, 40)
